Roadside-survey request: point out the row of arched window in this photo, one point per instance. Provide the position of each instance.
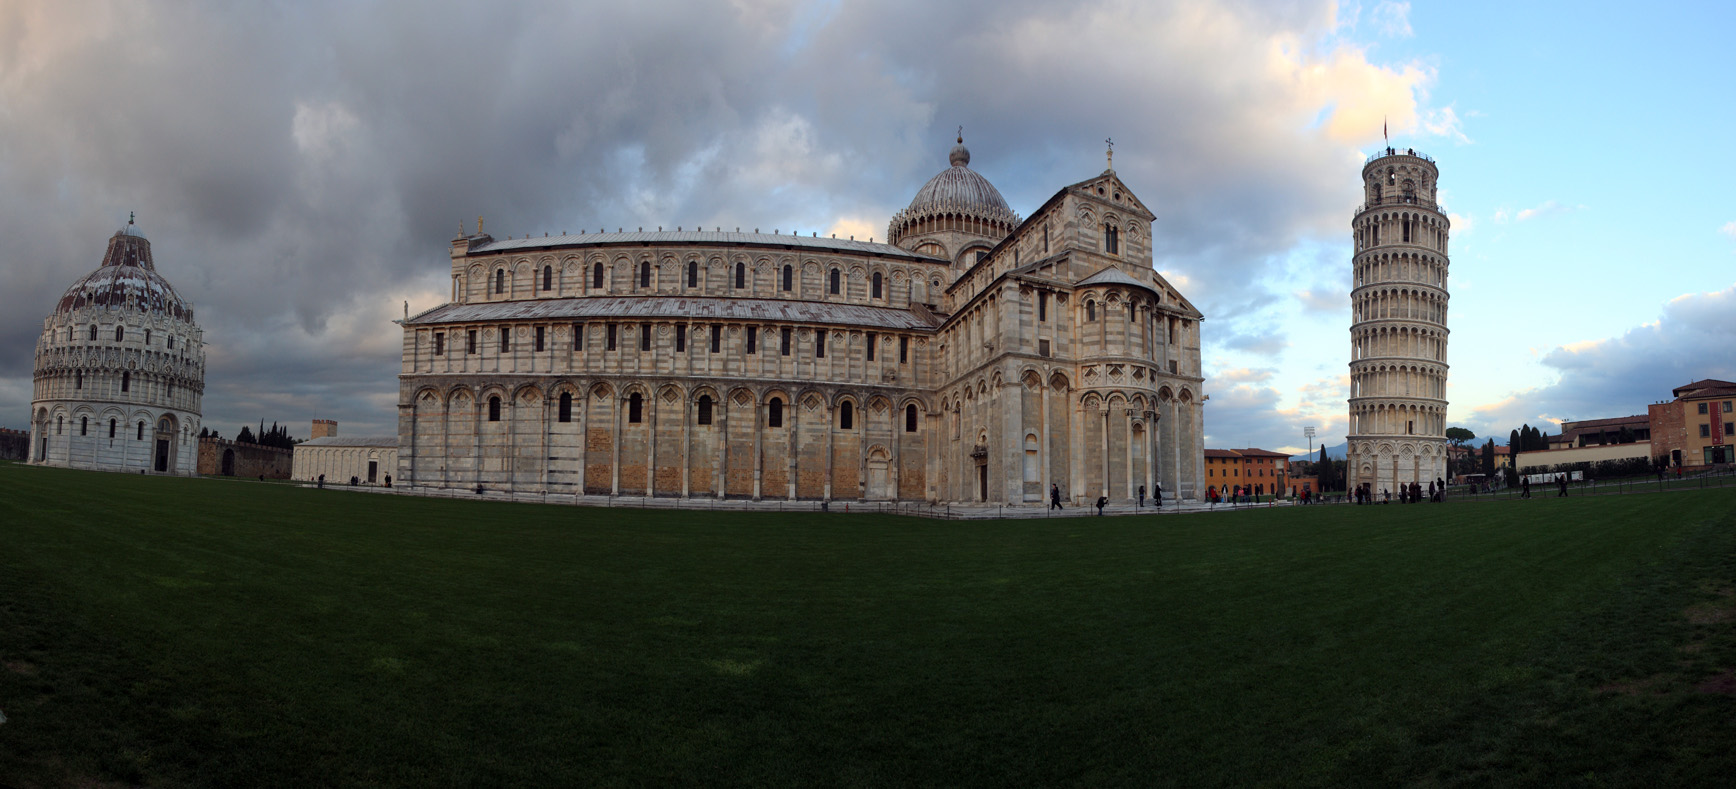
(84, 427)
(877, 282)
(702, 415)
(120, 335)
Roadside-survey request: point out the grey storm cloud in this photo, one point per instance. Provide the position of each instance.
(300, 167)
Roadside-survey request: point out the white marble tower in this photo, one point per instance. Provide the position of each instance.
(1398, 331)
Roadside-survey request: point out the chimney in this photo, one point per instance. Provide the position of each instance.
(325, 428)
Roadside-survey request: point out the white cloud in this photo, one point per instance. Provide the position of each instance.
(1393, 18)
(1619, 376)
(1325, 300)
(1444, 122)
(1728, 229)
(1547, 208)
(1461, 223)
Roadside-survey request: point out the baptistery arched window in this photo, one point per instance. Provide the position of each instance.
(833, 285)
(597, 277)
(548, 278)
(775, 413)
(740, 275)
(93, 332)
(644, 273)
(566, 412)
(877, 284)
(1090, 311)
(84, 425)
(846, 416)
(789, 276)
(499, 281)
(693, 273)
(141, 435)
(704, 409)
(126, 381)
(494, 408)
(120, 333)
(112, 424)
(635, 408)
(910, 418)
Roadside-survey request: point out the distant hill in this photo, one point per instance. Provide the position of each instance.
(1336, 453)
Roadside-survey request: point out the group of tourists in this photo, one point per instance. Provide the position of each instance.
(1560, 486)
(1103, 501)
(1407, 494)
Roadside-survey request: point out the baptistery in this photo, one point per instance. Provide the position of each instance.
(120, 370)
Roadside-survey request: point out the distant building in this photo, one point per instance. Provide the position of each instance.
(1263, 469)
(371, 460)
(1601, 432)
(1695, 428)
(120, 370)
(220, 457)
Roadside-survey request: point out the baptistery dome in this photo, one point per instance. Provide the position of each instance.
(127, 278)
(958, 210)
(120, 370)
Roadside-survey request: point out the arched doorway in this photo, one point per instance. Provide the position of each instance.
(228, 462)
(42, 435)
(164, 457)
(878, 478)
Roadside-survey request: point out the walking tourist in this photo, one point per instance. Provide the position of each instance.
(1101, 500)
(1055, 497)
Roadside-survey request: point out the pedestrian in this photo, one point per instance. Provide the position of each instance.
(1055, 497)
(1142, 496)
(1431, 490)
(1157, 495)
(1561, 483)
(1525, 487)
(1212, 495)
(1101, 500)
(388, 480)
(322, 482)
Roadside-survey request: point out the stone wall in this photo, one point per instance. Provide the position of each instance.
(14, 445)
(222, 457)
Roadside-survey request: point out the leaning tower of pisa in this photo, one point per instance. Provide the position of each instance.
(1398, 330)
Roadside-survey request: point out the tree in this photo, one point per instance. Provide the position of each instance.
(1457, 436)
(1626, 436)
(245, 436)
(1489, 459)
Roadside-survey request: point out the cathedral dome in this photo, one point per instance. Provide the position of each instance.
(956, 200)
(961, 189)
(126, 278)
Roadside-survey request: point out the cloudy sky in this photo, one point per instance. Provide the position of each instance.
(300, 168)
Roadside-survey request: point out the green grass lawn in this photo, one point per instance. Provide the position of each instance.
(222, 633)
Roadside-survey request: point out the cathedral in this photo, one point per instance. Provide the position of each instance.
(974, 357)
(120, 370)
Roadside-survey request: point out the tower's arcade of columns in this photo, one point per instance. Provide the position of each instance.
(1398, 356)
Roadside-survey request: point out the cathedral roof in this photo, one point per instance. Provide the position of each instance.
(818, 243)
(959, 189)
(126, 278)
(677, 308)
